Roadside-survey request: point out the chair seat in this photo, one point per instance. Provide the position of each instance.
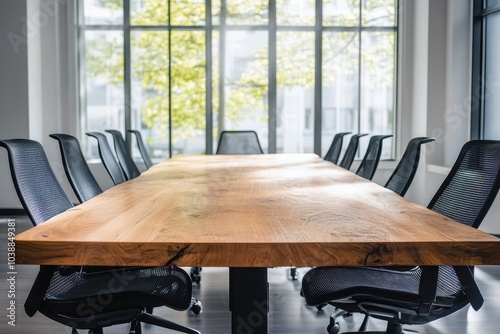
(128, 287)
(371, 285)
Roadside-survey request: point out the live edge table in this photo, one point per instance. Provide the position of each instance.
(251, 212)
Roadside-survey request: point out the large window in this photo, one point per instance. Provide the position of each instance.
(485, 122)
(295, 71)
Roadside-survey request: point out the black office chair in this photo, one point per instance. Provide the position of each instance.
(403, 175)
(108, 160)
(142, 148)
(124, 158)
(369, 164)
(239, 142)
(79, 175)
(351, 150)
(421, 294)
(62, 293)
(333, 153)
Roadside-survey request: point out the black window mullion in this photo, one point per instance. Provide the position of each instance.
(273, 90)
(360, 27)
(318, 84)
(222, 69)
(170, 144)
(208, 79)
(477, 105)
(128, 71)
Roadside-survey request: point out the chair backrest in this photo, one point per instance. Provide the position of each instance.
(333, 153)
(124, 158)
(142, 148)
(368, 165)
(77, 170)
(350, 153)
(403, 175)
(239, 142)
(36, 185)
(472, 184)
(107, 158)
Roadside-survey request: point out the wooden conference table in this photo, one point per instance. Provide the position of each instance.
(251, 212)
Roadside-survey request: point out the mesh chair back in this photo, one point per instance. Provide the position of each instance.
(350, 153)
(107, 158)
(124, 157)
(370, 161)
(239, 142)
(472, 184)
(59, 292)
(79, 175)
(142, 148)
(403, 175)
(36, 185)
(333, 153)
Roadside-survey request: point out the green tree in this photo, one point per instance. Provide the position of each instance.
(150, 58)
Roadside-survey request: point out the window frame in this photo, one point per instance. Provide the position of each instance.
(479, 32)
(272, 28)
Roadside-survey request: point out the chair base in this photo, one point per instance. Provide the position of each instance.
(151, 319)
(392, 328)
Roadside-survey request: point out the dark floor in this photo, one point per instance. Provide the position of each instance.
(288, 312)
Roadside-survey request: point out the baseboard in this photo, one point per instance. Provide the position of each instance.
(12, 212)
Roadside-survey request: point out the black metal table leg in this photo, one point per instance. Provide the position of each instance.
(248, 300)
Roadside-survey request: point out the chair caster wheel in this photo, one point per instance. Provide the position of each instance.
(196, 307)
(195, 274)
(320, 306)
(333, 327)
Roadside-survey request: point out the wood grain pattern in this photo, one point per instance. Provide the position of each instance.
(252, 211)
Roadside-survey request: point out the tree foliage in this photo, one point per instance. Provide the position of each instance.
(187, 87)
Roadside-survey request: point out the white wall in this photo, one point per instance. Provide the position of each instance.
(37, 88)
(14, 114)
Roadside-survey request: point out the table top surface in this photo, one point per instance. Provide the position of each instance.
(252, 211)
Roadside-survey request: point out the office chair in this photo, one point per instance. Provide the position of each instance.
(369, 164)
(124, 158)
(83, 182)
(239, 142)
(421, 294)
(403, 175)
(142, 148)
(79, 175)
(108, 160)
(351, 150)
(333, 153)
(62, 293)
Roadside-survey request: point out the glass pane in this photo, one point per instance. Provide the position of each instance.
(492, 78)
(492, 2)
(378, 88)
(340, 86)
(246, 84)
(295, 99)
(215, 88)
(296, 12)
(216, 12)
(379, 13)
(149, 64)
(187, 12)
(148, 12)
(247, 12)
(103, 81)
(341, 13)
(103, 12)
(188, 92)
